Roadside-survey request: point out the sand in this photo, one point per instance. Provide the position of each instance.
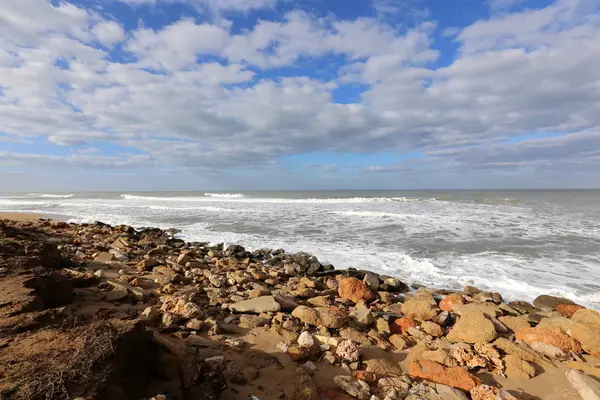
(20, 216)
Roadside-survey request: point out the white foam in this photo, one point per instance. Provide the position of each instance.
(226, 195)
(275, 200)
(57, 196)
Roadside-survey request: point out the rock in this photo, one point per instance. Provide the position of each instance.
(151, 314)
(514, 323)
(105, 257)
(550, 336)
(472, 327)
(454, 377)
(591, 318)
(100, 273)
(355, 336)
(304, 387)
(306, 340)
(549, 303)
(588, 338)
(287, 303)
(382, 326)
(117, 293)
(422, 391)
(431, 328)
(252, 321)
(588, 388)
(146, 264)
(517, 368)
(383, 367)
(257, 305)
(353, 387)
(568, 310)
(440, 356)
(550, 351)
(421, 306)
(354, 290)
(453, 299)
(183, 259)
(164, 270)
(320, 316)
(347, 351)
(418, 334)
(320, 301)
(398, 341)
(443, 319)
(401, 325)
(194, 324)
(584, 367)
(449, 393)
(523, 352)
(489, 309)
(561, 323)
(394, 387)
(485, 392)
(371, 279)
(362, 315)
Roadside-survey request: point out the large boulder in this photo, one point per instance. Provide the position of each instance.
(330, 317)
(473, 327)
(588, 388)
(489, 309)
(514, 323)
(355, 290)
(550, 336)
(549, 303)
(257, 305)
(451, 300)
(517, 368)
(590, 318)
(455, 377)
(421, 306)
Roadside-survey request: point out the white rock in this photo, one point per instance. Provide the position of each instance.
(306, 340)
(353, 387)
(587, 388)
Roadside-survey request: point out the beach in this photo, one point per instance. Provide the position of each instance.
(100, 305)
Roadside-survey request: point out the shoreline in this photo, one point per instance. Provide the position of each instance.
(319, 331)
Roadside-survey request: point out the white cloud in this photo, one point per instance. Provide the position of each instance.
(108, 32)
(214, 5)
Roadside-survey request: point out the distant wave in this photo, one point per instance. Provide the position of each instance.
(57, 196)
(368, 214)
(235, 198)
(226, 195)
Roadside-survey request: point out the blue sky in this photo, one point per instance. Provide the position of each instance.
(311, 94)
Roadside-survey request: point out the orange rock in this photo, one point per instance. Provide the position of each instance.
(456, 377)
(365, 376)
(355, 290)
(549, 336)
(401, 325)
(567, 310)
(453, 299)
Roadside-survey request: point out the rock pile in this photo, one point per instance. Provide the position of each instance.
(198, 294)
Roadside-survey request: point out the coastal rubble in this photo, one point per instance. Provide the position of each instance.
(94, 311)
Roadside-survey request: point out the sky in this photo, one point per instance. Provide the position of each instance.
(294, 95)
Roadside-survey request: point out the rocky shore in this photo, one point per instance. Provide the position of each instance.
(90, 311)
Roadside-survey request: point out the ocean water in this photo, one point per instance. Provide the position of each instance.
(519, 243)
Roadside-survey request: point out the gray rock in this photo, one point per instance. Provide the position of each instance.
(549, 303)
(257, 305)
(353, 387)
(347, 351)
(372, 281)
(588, 388)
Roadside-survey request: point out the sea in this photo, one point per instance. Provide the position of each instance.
(520, 243)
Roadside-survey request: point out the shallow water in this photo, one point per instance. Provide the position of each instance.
(520, 243)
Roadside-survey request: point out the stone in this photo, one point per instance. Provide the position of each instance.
(517, 368)
(151, 314)
(249, 321)
(550, 351)
(451, 300)
(362, 315)
(355, 336)
(354, 290)
(328, 317)
(440, 356)
(117, 293)
(584, 367)
(383, 327)
(194, 324)
(523, 352)
(472, 327)
(588, 388)
(146, 264)
(304, 387)
(183, 259)
(382, 367)
(550, 336)
(394, 387)
(588, 338)
(306, 340)
(398, 342)
(485, 392)
(449, 393)
(455, 377)
(287, 303)
(353, 387)
(347, 351)
(590, 318)
(431, 328)
(549, 303)
(105, 257)
(320, 301)
(489, 309)
(421, 306)
(514, 323)
(418, 334)
(422, 391)
(443, 319)
(401, 325)
(257, 305)
(372, 281)
(164, 270)
(568, 310)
